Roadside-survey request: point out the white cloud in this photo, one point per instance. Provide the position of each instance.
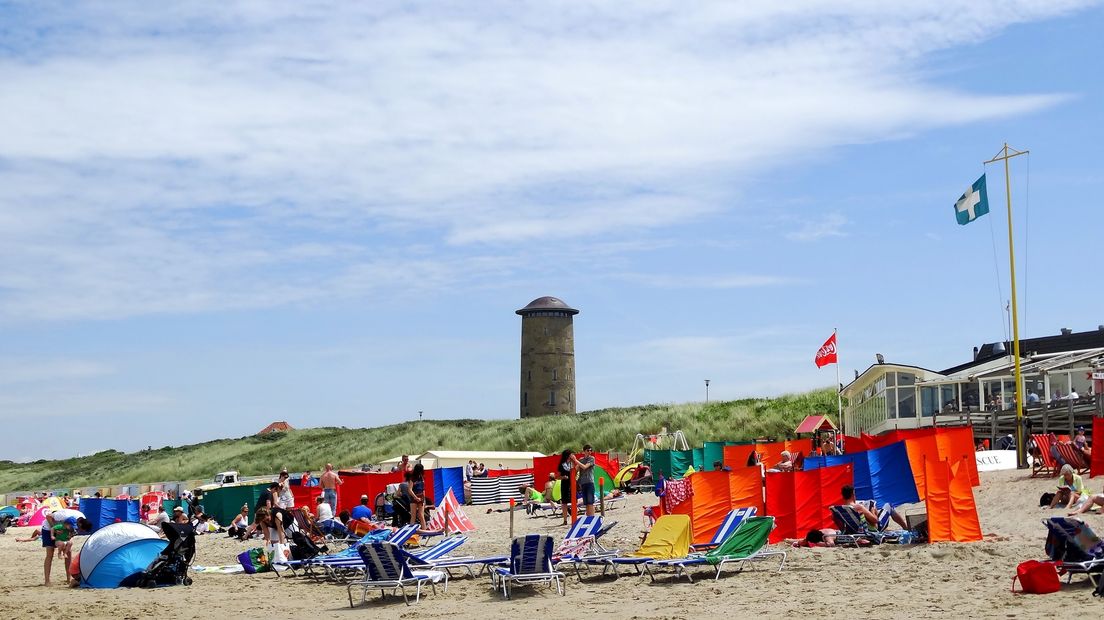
(186, 160)
(830, 225)
(716, 281)
(21, 371)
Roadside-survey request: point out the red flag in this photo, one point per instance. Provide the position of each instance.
(827, 353)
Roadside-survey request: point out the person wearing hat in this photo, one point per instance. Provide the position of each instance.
(178, 515)
(362, 512)
(1081, 442)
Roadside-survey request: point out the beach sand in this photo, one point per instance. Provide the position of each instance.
(968, 580)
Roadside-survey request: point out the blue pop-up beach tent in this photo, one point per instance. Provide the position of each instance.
(116, 554)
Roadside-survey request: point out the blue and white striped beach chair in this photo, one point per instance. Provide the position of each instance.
(728, 527)
(343, 564)
(387, 567)
(854, 527)
(530, 563)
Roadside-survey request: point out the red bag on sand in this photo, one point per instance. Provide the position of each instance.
(1036, 577)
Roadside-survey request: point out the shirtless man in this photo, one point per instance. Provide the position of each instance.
(329, 481)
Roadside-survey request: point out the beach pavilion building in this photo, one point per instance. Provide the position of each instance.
(889, 396)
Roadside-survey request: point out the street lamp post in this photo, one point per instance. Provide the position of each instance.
(707, 390)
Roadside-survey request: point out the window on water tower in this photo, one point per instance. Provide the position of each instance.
(552, 397)
(555, 374)
(529, 375)
(525, 399)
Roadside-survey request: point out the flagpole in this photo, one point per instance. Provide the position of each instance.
(1005, 154)
(839, 395)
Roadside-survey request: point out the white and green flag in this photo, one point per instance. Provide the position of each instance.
(973, 204)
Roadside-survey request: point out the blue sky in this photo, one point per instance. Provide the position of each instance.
(328, 215)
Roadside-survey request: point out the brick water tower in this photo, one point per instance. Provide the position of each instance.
(547, 358)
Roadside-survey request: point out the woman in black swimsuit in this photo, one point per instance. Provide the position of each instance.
(564, 472)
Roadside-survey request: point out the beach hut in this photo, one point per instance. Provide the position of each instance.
(117, 554)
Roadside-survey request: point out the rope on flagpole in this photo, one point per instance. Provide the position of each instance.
(997, 274)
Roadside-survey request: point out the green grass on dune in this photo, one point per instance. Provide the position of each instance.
(606, 429)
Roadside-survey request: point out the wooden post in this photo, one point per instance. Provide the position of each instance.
(602, 496)
(511, 518)
(446, 518)
(1070, 409)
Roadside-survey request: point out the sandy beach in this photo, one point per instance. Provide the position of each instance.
(890, 581)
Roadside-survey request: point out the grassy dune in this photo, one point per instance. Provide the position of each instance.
(311, 448)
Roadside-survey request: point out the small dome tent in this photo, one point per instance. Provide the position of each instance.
(116, 553)
(33, 518)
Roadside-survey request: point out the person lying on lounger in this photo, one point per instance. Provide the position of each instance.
(871, 515)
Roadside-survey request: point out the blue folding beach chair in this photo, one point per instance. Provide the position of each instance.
(347, 563)
(387, 567)
(853, 526)
(530, 563)
(1078, 549)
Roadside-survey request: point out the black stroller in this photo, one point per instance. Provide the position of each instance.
(171, 566)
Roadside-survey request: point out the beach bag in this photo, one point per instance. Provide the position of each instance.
(1045, 499)
(254, 561)
(1036, 577)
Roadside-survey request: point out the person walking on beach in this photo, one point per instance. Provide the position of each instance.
(55, 532)
(564, 471)
(330, 481)
(585, 477)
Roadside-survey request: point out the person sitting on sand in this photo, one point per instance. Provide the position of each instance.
(157, 518)
(1071, 490)
(240, 525)
(867, 512)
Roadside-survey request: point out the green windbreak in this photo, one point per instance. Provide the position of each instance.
(660, 462)
(681, 460)
(226, 502)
